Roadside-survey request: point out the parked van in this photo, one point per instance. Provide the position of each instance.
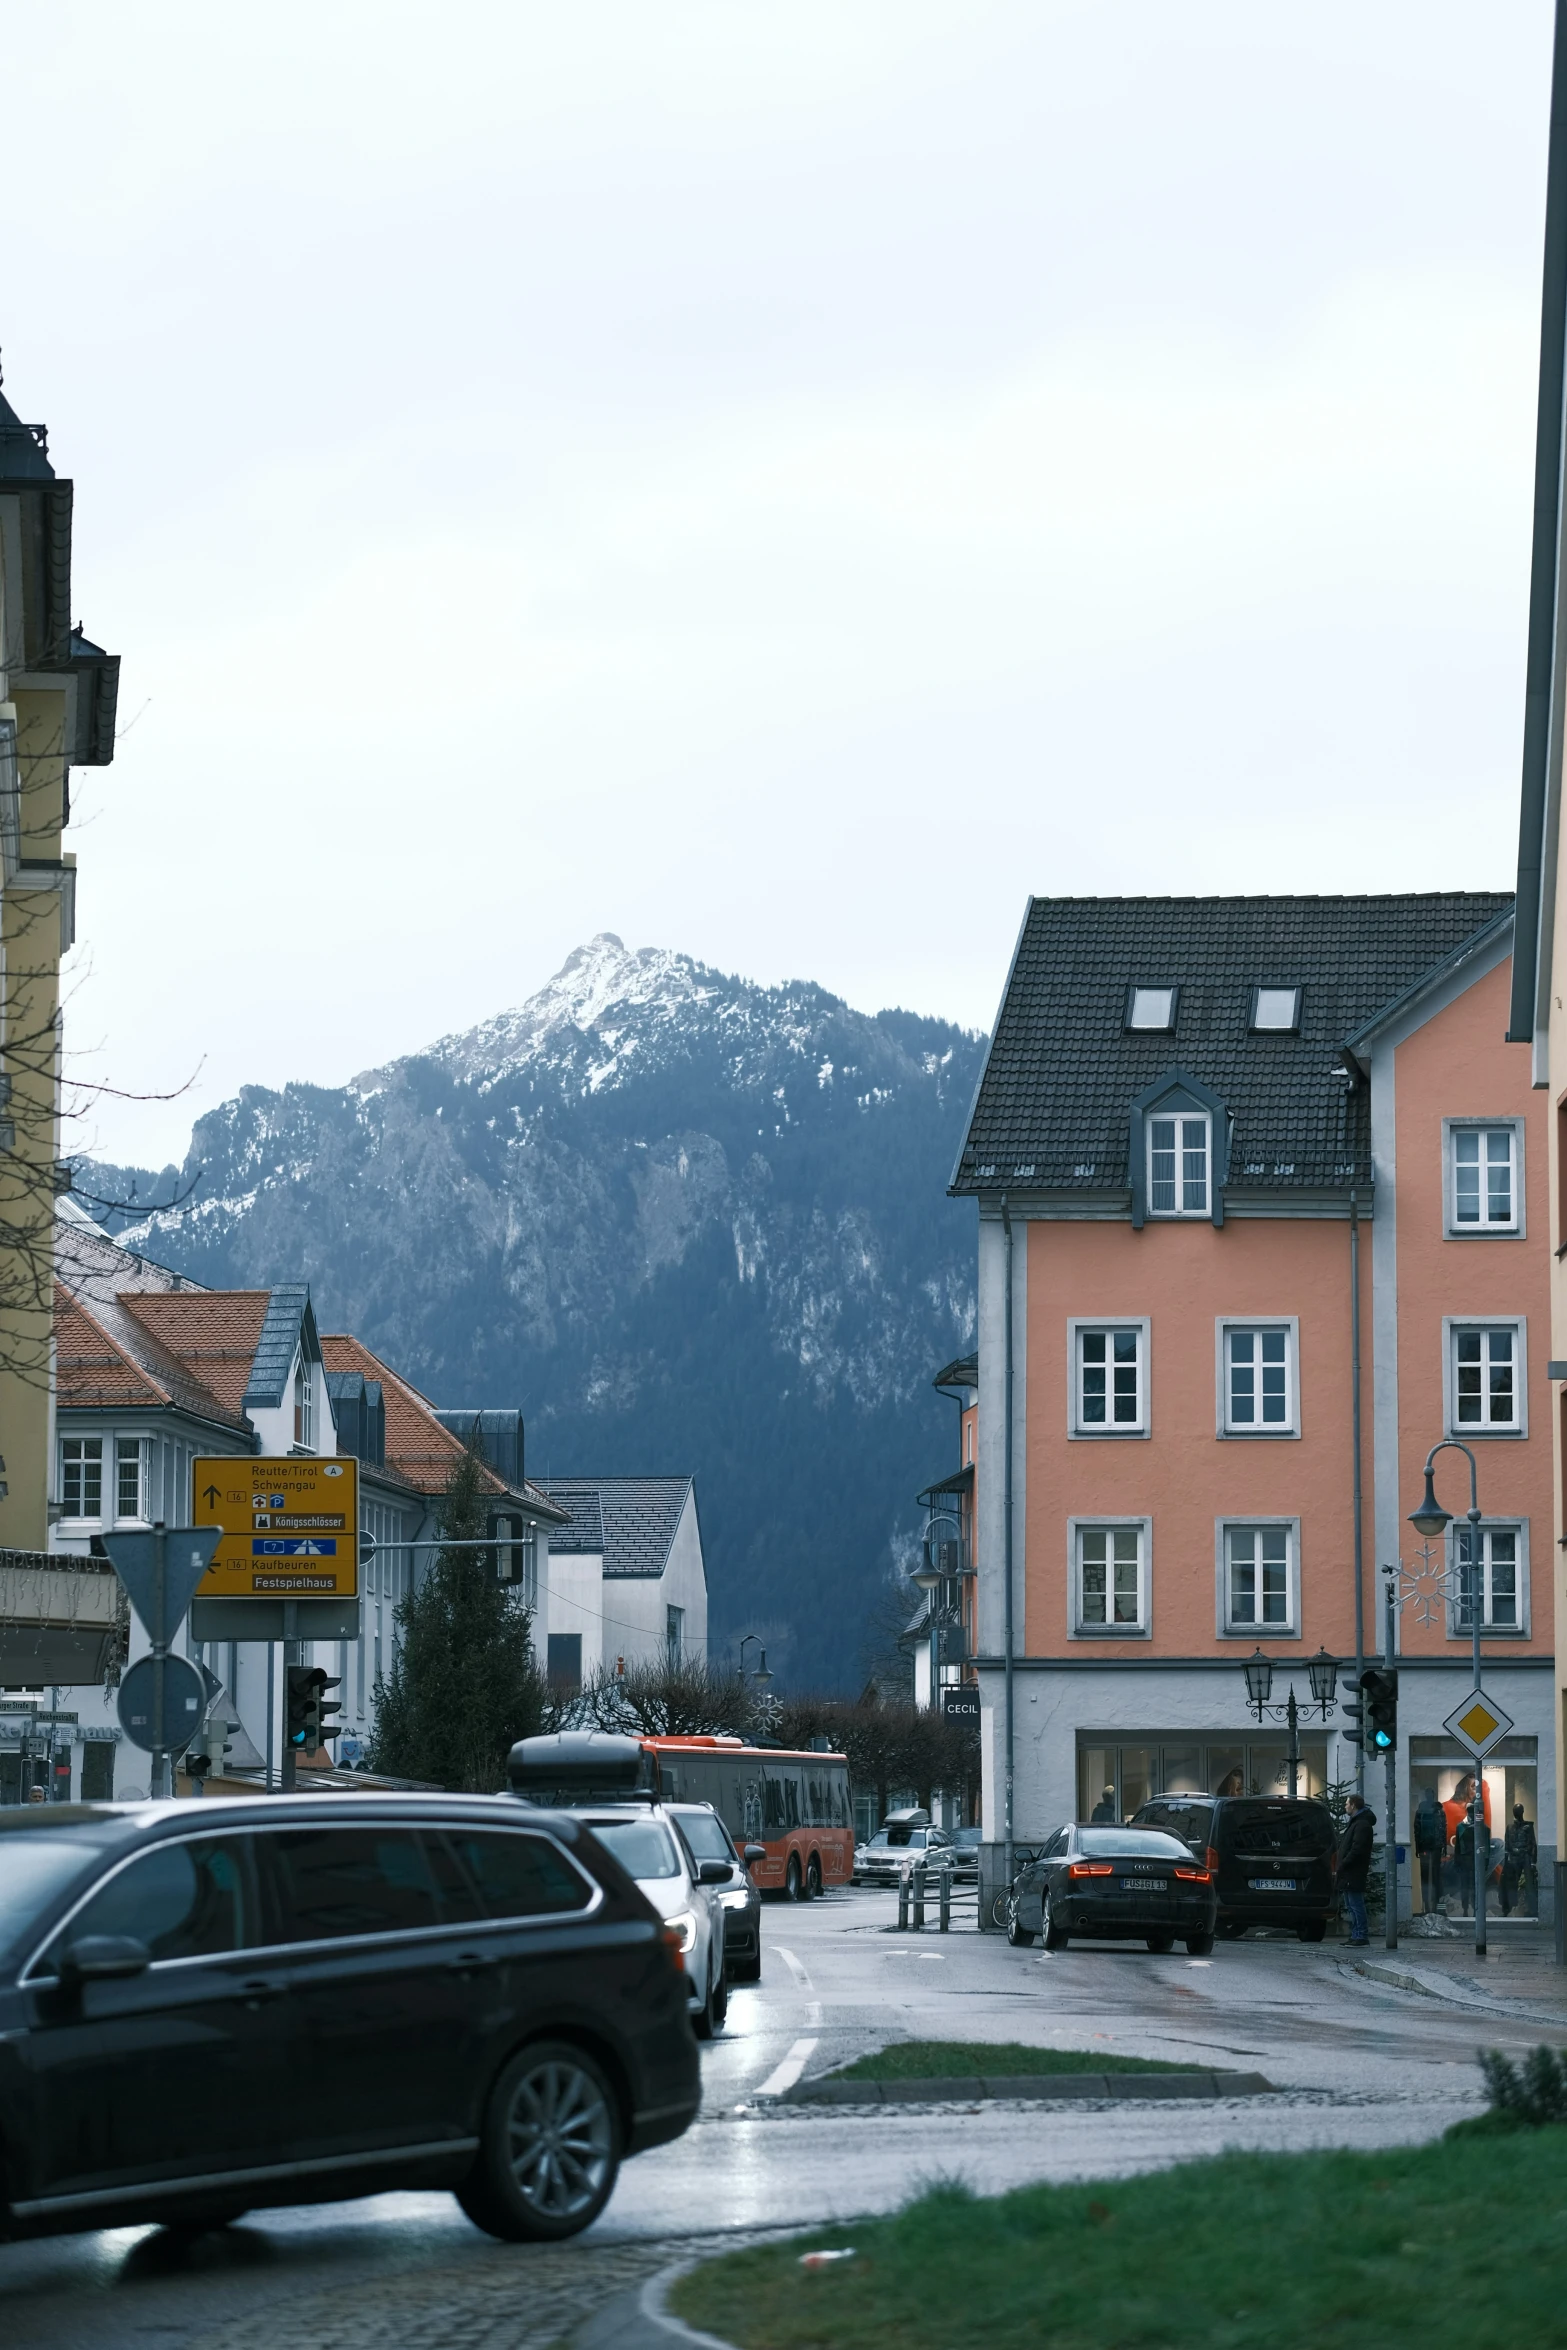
(1274, 1857)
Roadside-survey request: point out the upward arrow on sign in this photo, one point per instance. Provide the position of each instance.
(211, 1496)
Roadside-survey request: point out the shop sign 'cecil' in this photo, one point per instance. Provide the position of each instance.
(290, 1526)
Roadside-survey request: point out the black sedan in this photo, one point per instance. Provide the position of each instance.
(1114, 1884)
(205, 2007)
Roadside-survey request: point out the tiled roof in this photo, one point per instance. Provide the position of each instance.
(629, 1521)
(104, 1359)
(1052, 1110)
(418, 1448)
(213, 1333)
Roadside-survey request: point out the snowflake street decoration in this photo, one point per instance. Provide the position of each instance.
(1426, 1586)
(766, 1710)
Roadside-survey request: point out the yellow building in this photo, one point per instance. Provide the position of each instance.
(57, 700)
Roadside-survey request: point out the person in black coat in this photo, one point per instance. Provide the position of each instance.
(1354, 1867)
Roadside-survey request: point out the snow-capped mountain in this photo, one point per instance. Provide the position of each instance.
(682, 1220)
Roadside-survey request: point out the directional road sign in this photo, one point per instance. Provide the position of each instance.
(290, 1526)
(184, 1703)
(186, 1552)
(1478, 1723)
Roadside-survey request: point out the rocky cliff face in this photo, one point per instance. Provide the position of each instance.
(683, 1221)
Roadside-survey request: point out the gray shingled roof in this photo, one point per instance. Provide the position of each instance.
(278, 1344)
(1052, 1109)
(630, 1521)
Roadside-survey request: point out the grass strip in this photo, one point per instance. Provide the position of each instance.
(1423, 2246)
(967, 2060)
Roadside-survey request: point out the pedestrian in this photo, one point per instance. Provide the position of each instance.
(1430, 1849)
(1354, 1867)
(1104, 1810)
(1520, 1858)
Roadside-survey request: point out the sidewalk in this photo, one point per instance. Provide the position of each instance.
(1519, 1969)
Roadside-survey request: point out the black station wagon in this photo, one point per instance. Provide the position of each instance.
(209, 2006)
(1274, 1857)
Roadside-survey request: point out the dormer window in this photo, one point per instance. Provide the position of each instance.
(1178, 1156)
(1275, 1011)
(1151, 1008)
(304, 1404)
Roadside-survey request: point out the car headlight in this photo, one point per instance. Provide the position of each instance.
(735, 1900)
(683, 1923)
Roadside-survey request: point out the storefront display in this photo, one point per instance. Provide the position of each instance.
(1113, 1780)
(1441, 1788)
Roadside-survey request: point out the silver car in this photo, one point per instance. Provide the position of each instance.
(709, 1839)
(684, 1891)
(903, 1838)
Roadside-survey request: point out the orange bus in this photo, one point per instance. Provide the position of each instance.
(794, 1802)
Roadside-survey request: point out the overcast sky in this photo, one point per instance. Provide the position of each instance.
(777, 482)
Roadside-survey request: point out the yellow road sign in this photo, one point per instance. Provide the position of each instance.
(1478, 1723)
(290, 1527)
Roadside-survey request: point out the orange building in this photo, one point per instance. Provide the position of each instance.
(1204, 1126)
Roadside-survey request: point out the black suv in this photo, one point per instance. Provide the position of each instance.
(1274, 1857)
(210, 2006)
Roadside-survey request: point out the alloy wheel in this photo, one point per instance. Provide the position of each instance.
(560, 2139)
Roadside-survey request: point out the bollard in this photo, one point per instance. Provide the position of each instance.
(946, 1900)
(918, 1874)
(903, 1901)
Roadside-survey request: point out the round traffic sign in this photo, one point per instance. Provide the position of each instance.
(184, 1703)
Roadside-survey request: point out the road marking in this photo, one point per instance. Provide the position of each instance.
(786, 2074)
(794, 1966)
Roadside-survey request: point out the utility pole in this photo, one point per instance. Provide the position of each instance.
(1390, 1828)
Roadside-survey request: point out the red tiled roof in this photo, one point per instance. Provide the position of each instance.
(212, 1333)
(95, 1367)
(417, 1446)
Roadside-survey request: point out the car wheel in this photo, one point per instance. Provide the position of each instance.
(813, 1879)
(794, 1883)
(1198, 1945)
(1019, 1938)
(1160, 1943)
(1055, 1937)
(1312, 1929)
(549, 2148)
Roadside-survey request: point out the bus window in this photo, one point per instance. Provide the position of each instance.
(774, 1792)
(792, 1798)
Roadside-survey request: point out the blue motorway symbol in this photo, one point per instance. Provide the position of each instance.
(298, 1546)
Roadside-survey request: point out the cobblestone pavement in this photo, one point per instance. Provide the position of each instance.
(1357, 2062)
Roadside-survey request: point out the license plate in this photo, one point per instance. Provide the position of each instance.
(1273, 1884)
(1143, 1884)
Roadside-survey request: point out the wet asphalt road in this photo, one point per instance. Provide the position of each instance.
(1357, 2063)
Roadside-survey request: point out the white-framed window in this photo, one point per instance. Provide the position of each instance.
(1259, 1386)
(1152, 1008)
(1108, 1372)
(130, 1477)
(1178, 1170)
(1484, 1377)
(81, 1477)
(1502, 1582)
(1483, 1177)
(1259, 1579)
(1109, 1576)
(304, 1402)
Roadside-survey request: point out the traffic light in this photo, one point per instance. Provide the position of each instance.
(308, 1723)
(1382, 1712)
(1372, 1709)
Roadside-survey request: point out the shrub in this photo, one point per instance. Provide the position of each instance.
(1534, 2093)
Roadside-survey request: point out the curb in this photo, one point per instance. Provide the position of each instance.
(1036, 2088)
(638, 2320)
(1440, 1985)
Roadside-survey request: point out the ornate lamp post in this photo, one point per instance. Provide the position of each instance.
(1321, 1673)
(761, 1676)
(929, 1577)
(1431, 1520)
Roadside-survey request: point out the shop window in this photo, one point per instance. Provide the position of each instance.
(1441, 1788)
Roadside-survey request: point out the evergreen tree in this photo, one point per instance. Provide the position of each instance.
(464, 1685)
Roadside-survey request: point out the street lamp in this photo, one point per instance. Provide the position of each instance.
(929, 1579)
(1321, 1672)
(761, 1676)
(1431, 1520)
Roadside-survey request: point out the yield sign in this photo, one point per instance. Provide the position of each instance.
(1478, 1722)
(187, 1553)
